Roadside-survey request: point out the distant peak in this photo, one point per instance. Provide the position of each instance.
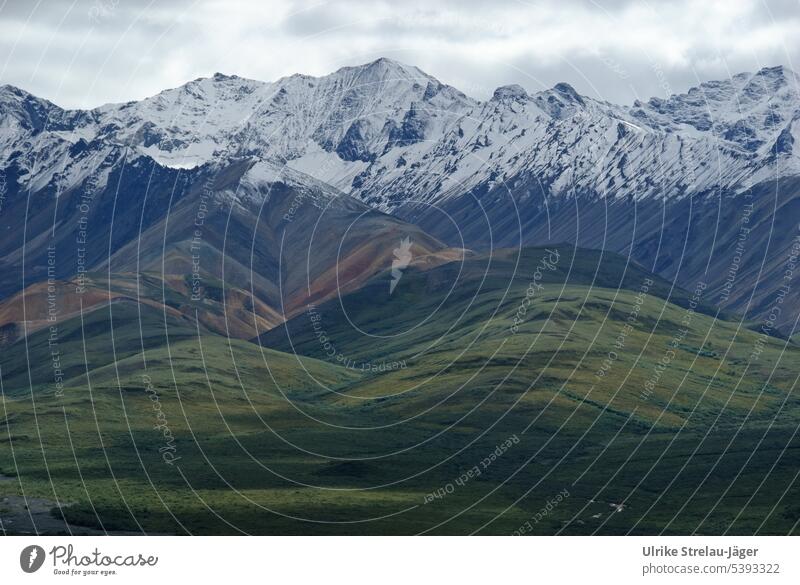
(216, 78)
(561, 101)
(386, 66)
(769, 80)
(568, 91)
(13, 89)
(16, 93)
(386, 62)
(772, 71)
(510, 92)
(222, 77)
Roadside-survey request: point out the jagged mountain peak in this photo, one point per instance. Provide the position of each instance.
(770, 80)
(223, 77)
(748, 110)
(11, 94)
(213, 87)
(777, 71)
(735, 93)
(568, 92)
(386, 131)
(561, 101)
(23, 112)
(384, 67)
(7, 89)
(510, 92)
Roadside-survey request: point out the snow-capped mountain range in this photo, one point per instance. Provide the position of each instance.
(388, 133)
(670, 182)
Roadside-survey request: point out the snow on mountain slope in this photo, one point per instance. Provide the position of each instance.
(748, 110)
(356, 113)
(724, 135)
(757, 114)
(388, 133)
(186, 126)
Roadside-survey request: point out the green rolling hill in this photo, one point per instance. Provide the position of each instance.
(498, 394)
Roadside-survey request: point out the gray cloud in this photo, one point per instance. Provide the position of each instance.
(82, 53)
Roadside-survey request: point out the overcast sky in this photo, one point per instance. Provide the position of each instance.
(84, 53)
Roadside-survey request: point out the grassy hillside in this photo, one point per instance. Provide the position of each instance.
(440, 407)
(218, 306)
